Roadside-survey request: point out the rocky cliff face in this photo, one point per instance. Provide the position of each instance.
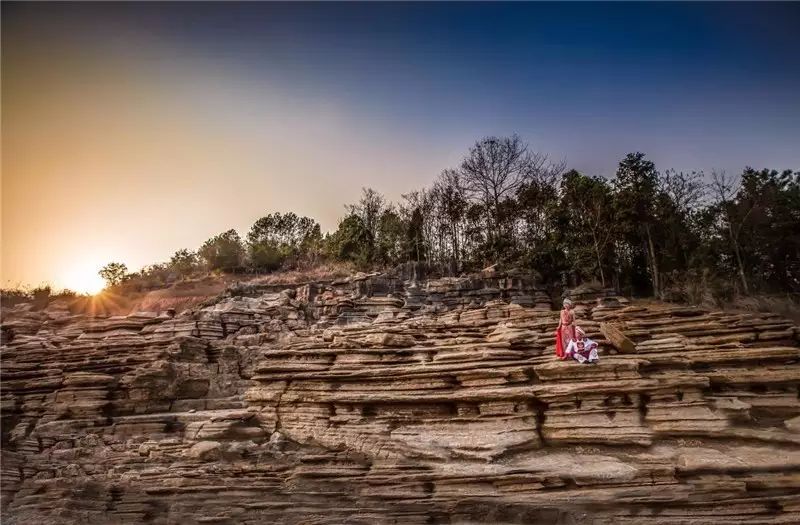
(378, 400)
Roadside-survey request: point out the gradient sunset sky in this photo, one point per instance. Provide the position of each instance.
(134, 130)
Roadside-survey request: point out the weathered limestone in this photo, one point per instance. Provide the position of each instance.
(617, 338)
(378, 399)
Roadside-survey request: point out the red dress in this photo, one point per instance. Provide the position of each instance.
(565, 332)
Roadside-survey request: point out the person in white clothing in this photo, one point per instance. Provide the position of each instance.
(582, 349)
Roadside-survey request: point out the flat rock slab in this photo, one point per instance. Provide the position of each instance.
(378, 400)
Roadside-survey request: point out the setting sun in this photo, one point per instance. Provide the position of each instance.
(83, 280)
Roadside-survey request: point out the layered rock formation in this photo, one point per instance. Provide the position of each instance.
(383, 400)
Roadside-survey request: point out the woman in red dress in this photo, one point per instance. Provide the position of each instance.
(565, 332)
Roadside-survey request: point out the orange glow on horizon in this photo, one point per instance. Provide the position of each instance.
(82, 279)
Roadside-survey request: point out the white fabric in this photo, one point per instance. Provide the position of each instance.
(572, 351)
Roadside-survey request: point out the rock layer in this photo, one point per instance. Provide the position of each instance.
(379, 400)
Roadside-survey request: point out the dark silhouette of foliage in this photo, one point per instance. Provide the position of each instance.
(351, 241)
(113, 273)
(223, 252)
(280, 237)
(184, 262)
(675, 235)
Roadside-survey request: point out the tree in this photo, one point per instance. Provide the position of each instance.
(368, 211)
(541, 225)
(415, 237)
(277, 237)
(636, 188)
(266, 256)
(183, 262)
(152, 276)
(450, 204)
(419, 213)
(686, 191)
(725, 188)
(350, 241)
(286, 230)
(679, 200)
(588, 205)
(772, 231)
(390, 238)
(493, 172)
(113, 273)
(759, 213)
(223, 252)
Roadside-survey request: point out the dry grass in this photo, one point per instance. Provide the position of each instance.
(181, 295)
(193, 292)
(787, 305)
(323, 272)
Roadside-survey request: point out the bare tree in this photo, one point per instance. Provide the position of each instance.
(450, 203)
(544, 171)
(421, 201)
(600, 221)
(496, 168)
(725, 188)
(368, 209)
(686, 190)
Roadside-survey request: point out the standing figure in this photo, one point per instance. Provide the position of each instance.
(565, 333)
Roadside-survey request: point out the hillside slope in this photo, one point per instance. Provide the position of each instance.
(379, 400)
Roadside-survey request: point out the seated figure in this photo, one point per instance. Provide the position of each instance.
(582, 349)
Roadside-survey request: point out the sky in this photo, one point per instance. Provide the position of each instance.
(132, 130)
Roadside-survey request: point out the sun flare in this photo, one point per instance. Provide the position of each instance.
(83, 280)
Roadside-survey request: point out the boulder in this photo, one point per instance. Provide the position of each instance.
(205, 451)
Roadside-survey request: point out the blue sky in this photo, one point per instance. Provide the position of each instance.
(562, 73)
(695, 85)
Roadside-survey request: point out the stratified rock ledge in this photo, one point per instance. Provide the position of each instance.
(377, 400)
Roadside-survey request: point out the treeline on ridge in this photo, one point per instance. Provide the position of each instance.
(673, 235)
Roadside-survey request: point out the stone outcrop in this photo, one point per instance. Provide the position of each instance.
(379, 399)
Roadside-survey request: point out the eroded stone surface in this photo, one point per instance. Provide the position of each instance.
(378, 400)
